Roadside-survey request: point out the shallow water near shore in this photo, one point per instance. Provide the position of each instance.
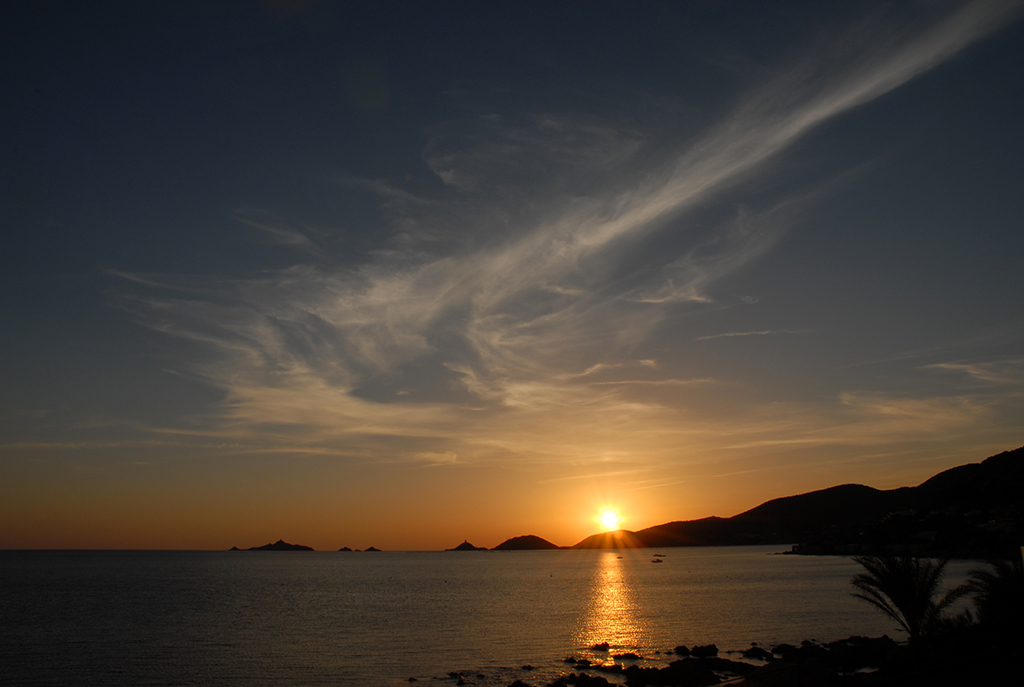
(331, 618)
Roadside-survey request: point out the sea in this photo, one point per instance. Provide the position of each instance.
(286, 619)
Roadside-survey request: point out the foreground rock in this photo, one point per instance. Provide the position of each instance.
(962, 657)
(688, 672)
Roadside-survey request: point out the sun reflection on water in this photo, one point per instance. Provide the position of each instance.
(612, 613)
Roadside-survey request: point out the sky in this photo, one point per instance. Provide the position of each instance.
(408, 274)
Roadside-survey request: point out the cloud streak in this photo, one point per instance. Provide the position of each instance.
(1004, 372)
(763, 332)
(275, 228)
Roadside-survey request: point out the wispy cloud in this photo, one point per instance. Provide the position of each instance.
(387, 192)
(763, 332)
(275, 228)
(656, 382)
(1009, 371)
(538, 259)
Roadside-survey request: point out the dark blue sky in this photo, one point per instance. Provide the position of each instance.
(669, 258)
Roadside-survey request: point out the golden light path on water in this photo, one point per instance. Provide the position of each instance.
(612, 611)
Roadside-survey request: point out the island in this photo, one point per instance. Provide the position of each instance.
(466, 546)
(527, 542)
(279, 545)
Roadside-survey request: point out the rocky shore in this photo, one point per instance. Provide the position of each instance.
(962, 658)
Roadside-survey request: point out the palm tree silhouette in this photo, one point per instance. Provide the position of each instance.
(998, 594)
(905, 589)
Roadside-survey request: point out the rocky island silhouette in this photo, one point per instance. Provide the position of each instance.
(279, 545)
(466, 546)
(526, 542)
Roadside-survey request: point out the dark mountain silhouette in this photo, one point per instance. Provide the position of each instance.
(619, 539)
(527, 542)
(972, 510)
(466, 546)
(279, 545)
(845, 503)
(996, 480)
(371, 548)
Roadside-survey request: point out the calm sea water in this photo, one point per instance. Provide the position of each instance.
(272, 618)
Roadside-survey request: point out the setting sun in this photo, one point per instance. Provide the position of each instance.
(609, 520)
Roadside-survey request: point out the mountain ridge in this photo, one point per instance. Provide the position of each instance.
(971, 510)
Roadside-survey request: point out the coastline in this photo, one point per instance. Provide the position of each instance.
(964, 657)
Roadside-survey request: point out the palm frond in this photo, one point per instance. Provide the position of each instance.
(998, 593)
(904, 588)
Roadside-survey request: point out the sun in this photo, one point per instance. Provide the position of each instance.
(609, 520)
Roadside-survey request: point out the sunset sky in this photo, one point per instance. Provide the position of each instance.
(401, 275)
